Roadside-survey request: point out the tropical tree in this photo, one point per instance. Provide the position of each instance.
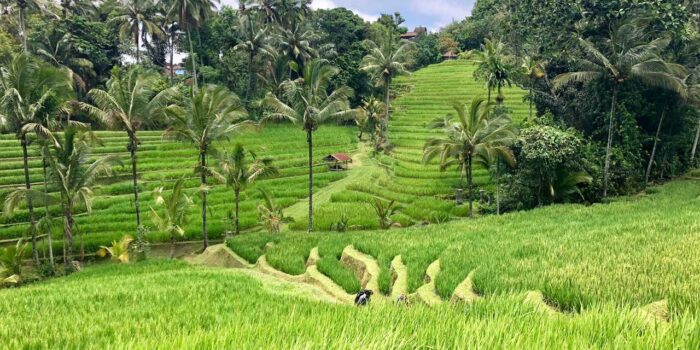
(473, 134)
(130, 102)
(28, 88)
(384, 62)
(694, 99)
(174, 218)
(210, 114)
(237, 172)
(191, 14)
(618, 60)
(73, 172)
(57, 49)
(253, 41)
(493, 66)
(296, 41)
(311, 103)
(23, 6)
(531, 70)
(271, 215)
(135, 16)
(385, 210)
(373, 120)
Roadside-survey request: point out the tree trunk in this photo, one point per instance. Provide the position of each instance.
(469, 186)
(172, 69)
(68, 236)
(606, 169)
(653, 149)
(172, 246)
(695, 143)
(23, 25)
(194, 62)
(386, 98)
(309, 139)
(132, 150)
(30, 206)
(530, 117)
(46, 208)
(203, 162)
(237, 223)
(136, 39)
(251, 76)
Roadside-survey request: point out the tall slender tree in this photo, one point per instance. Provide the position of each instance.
(130, 103)
(494, 67)
(27, 87)
(212, 113)
(191, 14)
(253, 41)
(386, 61)
(473, 134)
(620, 59)
(174, 219)
(311, 103)
(135, 18)
(531, 70)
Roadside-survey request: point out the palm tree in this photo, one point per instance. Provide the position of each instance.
(374, 116)
(271, 215)
(23, 5)
(134, 18)
(476, 136)
(129, 103)
(73, 173)
(27, 89)
(618, 60)
(296, 41)
(191, 14)
(493, 67)
(253, 40)
(311, 104)
(238, 173)
(57, 49)
(531, 70)
(385, 62)
(175, 217)
(212, 113)
(694, 99)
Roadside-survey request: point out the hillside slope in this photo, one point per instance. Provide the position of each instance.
(423, 192)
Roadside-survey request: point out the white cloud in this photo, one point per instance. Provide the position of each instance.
(329, 4)
(444, 11)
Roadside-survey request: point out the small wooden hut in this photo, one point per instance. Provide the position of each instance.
(338, 161)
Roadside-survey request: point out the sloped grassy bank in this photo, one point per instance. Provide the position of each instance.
(629, 253)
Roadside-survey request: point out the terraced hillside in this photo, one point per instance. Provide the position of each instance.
(424, 193)
(161, 162)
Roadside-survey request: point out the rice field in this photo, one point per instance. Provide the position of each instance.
(629, 253)
(424, 193)
(161, 163)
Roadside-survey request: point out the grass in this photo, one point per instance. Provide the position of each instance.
(161, 162)
(422, 190)
(168, 305)
(631, 252)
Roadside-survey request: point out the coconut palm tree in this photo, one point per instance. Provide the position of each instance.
(311, 104)
(618, 60)
(531, 70)
(134, 18)
(57, 49)
(473, 134)
(493, 67)
(191, 14)
(694, 99)
(296, 41)
(271, 215)
(212, 113)
(28, 88)
(237, 172)
(129, 103)
(174, 218)
(384, 62)
(23, 6)
(253, 41)
(373, 119)
(73, 172)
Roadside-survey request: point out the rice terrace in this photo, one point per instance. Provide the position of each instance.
(300, 174)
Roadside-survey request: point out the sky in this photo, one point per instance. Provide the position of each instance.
(432, 14)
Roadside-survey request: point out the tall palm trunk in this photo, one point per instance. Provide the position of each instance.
(136, 39)
(172, 246)
(172, 69)
(653, 149)
(251, 76)
(22, 24)
(203, 163)
(46, 209)
(193, 60)
(469, 186)
(530, 115)
(309, 139)
(695, 143)
(386, 97)
(133, 144)
(30, 206)
(236, 222)
(68, 224)
(606, 169)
